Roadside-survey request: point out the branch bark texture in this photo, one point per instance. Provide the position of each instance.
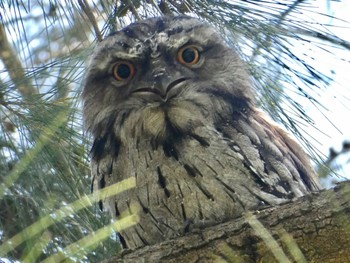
(315, 228)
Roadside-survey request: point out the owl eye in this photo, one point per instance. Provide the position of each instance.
(123, 71)
(188, 55)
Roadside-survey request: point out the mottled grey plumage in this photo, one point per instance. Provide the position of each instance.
(190, 133)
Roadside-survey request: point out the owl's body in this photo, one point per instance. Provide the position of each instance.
(168, 103)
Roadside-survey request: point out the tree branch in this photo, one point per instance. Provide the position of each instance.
(314, 228)
(14, 67)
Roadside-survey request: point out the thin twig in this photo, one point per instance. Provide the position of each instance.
(279, 22)
(87, 10)
(290, 9)
(329, 38)
(133, 10)
(14, 67)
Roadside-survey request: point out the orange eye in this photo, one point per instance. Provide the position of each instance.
(123, 71)
(188, 55)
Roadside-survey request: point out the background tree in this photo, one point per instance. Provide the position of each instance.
(44, 47)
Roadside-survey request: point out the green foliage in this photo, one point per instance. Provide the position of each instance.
(44, 153)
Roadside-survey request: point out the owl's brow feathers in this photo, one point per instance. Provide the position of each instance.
(128, 42)
(142, 31)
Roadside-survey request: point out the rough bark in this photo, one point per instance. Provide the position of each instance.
(314, 228)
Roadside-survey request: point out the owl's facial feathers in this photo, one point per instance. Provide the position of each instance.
(161, 75)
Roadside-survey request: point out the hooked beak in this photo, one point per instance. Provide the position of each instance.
(162, 85)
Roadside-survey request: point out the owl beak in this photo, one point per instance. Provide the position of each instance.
(163, 85)
(161, 82)
(160, 86)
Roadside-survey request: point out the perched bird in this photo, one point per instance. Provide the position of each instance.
(169, 103)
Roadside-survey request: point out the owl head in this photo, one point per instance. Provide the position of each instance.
(160, 78)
